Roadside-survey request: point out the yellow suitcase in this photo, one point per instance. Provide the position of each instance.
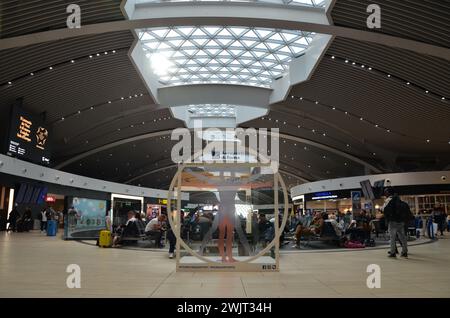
(105, 239)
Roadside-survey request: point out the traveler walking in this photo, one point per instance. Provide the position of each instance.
(448, 223)
(43, 219)
(14, 215)
(395, 211)
(439, 217)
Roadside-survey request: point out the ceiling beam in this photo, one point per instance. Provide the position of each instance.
(99, 28)
(168, 132)
(174, 166)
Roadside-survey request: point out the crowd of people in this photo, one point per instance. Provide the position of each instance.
(25, 222)
(137, 226)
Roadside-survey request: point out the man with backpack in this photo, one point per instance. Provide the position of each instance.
(396, 212)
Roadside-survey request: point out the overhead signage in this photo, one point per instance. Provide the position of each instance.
(28, 137)
(324, 195)
(50, 199)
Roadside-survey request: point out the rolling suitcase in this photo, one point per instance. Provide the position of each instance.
(51, 228)
(105, 239)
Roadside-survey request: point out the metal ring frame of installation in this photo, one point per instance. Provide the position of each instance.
(180, 241)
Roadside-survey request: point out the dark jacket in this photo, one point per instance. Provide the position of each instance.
(392, 211)
(14, 215)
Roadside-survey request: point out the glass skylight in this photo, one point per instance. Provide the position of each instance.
(212, 110)
(225, 55)
(311, 3)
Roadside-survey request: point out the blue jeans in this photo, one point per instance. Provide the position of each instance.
(397, 229)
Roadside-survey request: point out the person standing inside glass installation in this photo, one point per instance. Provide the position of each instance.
(226, 225)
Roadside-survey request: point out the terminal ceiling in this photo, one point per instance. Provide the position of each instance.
(358, 103)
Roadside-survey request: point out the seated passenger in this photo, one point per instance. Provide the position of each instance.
(357, 232)
(264, 229)
(336, 226)
(140, 223)
(155, 228)
(130, 229)
(315, 228)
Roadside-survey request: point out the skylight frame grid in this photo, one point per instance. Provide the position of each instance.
(261, 52)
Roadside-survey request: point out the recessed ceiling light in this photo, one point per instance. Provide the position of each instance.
(122, 98)
(31, 73)
(50, 68)
(369, 68)
(426, 92)
(374, 154)
(388, 130)
(407, 83)
(301, 98)
(346, 61)
(361, 118)
(109, 102)
(353, 63)
(90, 56)
(105, 53)
(79, 112)
(334, 108)
(98, 54)
(317, 102)
(443, 98)
(389, 75)
(114, 51)
(428, 140)
(362, 66)
(62, 118)
(346, 113)
(348, 145)
(9, 83)
(333, 57)
(376, 125)
(92, 107)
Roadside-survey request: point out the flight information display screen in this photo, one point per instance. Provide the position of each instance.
(28, 138)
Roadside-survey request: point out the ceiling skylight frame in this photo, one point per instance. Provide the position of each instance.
(299, 3)
(193, 50)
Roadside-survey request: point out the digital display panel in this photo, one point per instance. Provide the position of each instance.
(28, 137)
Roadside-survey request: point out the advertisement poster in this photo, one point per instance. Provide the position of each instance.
(356, 201)
(86, 217)
(153, 211)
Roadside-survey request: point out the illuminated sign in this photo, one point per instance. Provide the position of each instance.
(162, 201)
(50, 199)
(28, 137)
(323, 196)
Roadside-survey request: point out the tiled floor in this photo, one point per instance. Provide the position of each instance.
(34, 265)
